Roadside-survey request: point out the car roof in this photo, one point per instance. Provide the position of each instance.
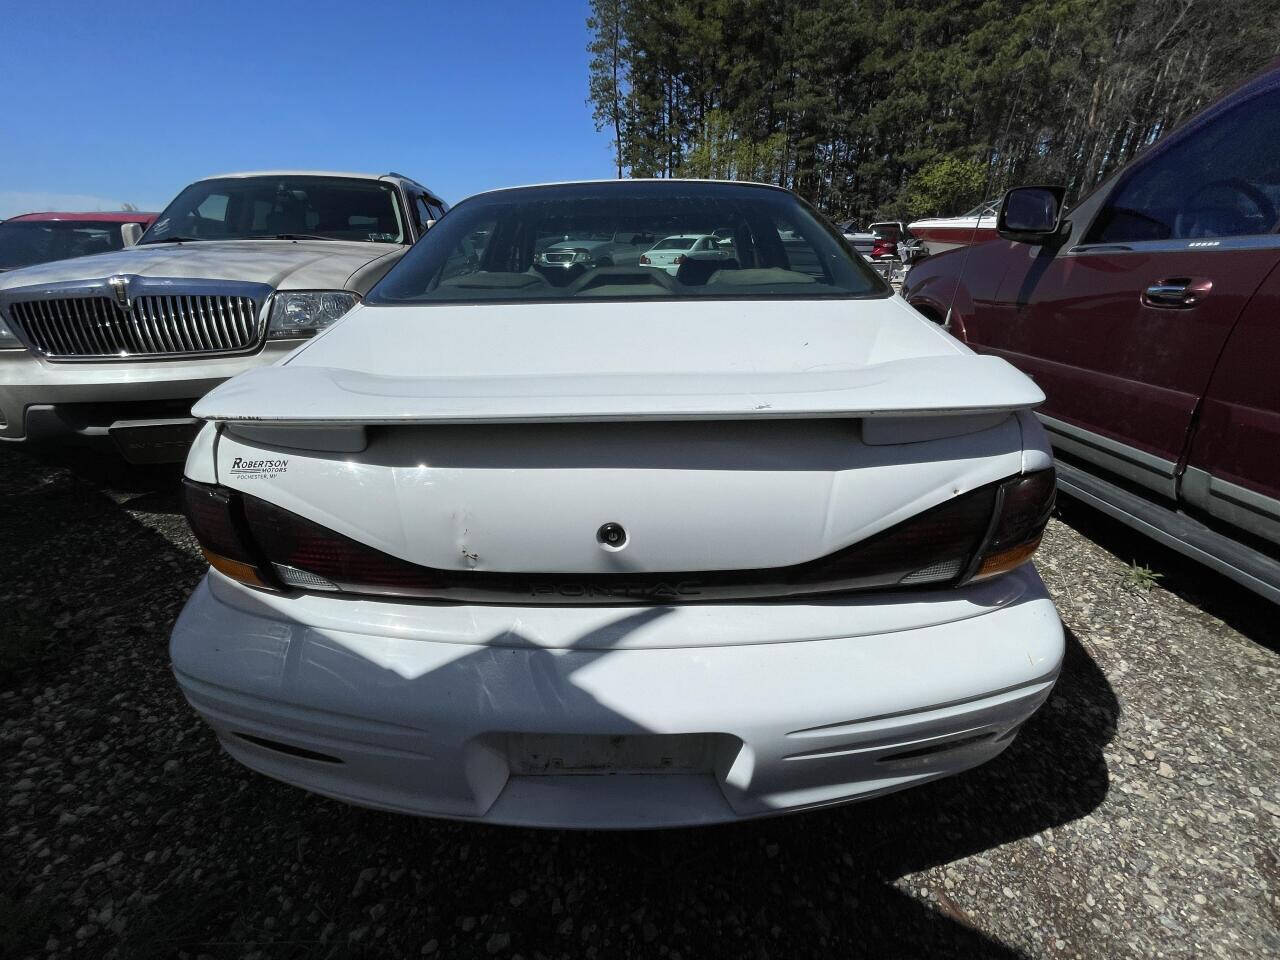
(97, 216)
(304, 173)
(390, 176)
(628, 181)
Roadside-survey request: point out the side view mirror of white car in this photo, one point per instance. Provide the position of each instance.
(131, 233)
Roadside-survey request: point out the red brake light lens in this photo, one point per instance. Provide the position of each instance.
(976, 535)
(295, 545)
(932, 547)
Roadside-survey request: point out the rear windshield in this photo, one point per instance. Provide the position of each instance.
(27, 242)
(529, 244)
(283, 207)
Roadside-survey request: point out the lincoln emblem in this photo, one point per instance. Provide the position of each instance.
(120, 287)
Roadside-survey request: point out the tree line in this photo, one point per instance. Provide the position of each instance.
(901, 108)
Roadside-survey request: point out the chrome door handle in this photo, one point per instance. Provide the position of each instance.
(1177, 292)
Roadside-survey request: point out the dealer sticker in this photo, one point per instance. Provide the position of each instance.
(245, 469)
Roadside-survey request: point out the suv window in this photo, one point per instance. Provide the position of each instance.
(422, 211)
(213, 207)
(26, 242)
(284, 206)
(1221, 181)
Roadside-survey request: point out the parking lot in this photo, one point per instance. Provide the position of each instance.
(1138, 814)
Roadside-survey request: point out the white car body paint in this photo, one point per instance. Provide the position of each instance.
(416, 703)
(498, 438)
(697, 360)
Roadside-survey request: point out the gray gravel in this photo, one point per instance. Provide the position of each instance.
(1138, 814)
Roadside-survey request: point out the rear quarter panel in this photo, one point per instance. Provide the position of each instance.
(962, 283)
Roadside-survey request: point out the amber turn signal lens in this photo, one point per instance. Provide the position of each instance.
(235, 569)
(1006, 560)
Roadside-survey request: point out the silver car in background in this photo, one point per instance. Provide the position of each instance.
(236, 272)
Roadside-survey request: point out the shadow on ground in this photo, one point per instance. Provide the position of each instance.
(217, 861)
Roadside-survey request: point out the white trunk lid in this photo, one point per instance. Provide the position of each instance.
(719, 435)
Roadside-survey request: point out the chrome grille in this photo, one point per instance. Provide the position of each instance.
(153, 325)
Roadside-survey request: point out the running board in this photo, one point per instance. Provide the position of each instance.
(1175, 530)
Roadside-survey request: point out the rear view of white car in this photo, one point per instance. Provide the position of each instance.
(625, 547)
(670, 252)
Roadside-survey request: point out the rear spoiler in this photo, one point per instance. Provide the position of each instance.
(300, 395)
(918, 386)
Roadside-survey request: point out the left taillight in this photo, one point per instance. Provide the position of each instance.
(311, 557)
(217, 519)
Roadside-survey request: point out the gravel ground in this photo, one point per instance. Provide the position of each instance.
(1138, 814)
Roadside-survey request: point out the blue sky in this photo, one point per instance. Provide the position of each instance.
(105, 102)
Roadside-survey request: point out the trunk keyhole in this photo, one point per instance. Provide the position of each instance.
(612, 536)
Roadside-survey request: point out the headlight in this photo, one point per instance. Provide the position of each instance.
(7, 340)
(304, 313)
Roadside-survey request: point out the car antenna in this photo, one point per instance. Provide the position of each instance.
(986, 192)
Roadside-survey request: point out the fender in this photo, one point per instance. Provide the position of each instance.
(938, 293)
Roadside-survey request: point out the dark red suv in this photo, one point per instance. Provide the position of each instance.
(1150, 316)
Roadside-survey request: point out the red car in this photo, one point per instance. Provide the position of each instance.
(42, 237)
(1150, 316)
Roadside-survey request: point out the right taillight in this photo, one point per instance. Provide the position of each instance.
(1023, 506)
(936, 546)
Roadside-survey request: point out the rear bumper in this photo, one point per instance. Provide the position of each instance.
(94, 401)
(420, 719)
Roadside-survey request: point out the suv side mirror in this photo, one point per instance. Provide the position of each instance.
(131, 233)
(427, 225)
(1031, 214)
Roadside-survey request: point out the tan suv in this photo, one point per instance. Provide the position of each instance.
(236, 272)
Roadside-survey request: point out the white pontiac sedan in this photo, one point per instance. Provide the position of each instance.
(621, 548)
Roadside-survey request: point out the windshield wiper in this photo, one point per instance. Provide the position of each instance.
(300, 236)
(173, 240)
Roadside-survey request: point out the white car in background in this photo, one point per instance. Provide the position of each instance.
(670, 252)
(113, 349)
(623, 550)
